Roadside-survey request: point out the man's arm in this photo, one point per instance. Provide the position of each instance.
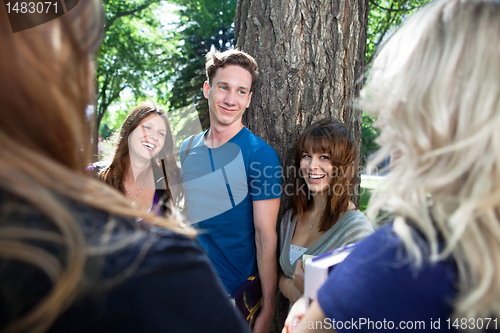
(265, 214)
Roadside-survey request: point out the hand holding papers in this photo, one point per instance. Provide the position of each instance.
(318, 268)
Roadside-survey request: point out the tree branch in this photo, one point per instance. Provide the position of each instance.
(128, 13)
(392, 10)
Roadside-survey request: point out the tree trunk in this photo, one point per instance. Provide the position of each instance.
(311, 56)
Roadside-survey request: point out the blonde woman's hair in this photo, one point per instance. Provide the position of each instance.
(435, 87)
(46, 84)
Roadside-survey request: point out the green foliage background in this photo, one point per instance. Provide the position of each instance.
(135, 56)
(142, 58)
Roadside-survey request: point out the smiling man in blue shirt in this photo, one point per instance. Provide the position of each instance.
(233, 182)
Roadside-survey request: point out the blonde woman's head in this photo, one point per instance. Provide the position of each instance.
(435, 89)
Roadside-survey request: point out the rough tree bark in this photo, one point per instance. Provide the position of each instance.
(311, 56)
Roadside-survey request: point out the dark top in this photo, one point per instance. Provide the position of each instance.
(173, 289)
(378, 283)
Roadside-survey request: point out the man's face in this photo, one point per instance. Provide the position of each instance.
(229, 95)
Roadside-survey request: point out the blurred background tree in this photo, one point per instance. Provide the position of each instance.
(134, 57)
(383, 18)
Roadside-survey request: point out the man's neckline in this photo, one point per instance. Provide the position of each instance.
(234, 137)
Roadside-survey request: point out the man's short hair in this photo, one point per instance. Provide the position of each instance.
(216, 60)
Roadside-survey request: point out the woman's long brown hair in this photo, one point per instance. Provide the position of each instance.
(327, 136)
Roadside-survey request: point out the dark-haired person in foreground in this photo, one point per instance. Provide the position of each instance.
(232, 180)
(72, 257)
(435, 86)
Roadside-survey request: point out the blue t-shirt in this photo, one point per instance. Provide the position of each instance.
(378, 288)
(221, 184)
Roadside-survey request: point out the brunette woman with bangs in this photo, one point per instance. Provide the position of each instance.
(323, 217)
(72, 257)
(143, 157)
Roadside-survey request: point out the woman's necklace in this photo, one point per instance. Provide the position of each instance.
(313, 223)
(128, 193)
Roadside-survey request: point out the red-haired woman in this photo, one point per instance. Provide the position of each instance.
(323, 217)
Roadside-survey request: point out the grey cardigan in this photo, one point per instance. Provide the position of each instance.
(351, 227)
